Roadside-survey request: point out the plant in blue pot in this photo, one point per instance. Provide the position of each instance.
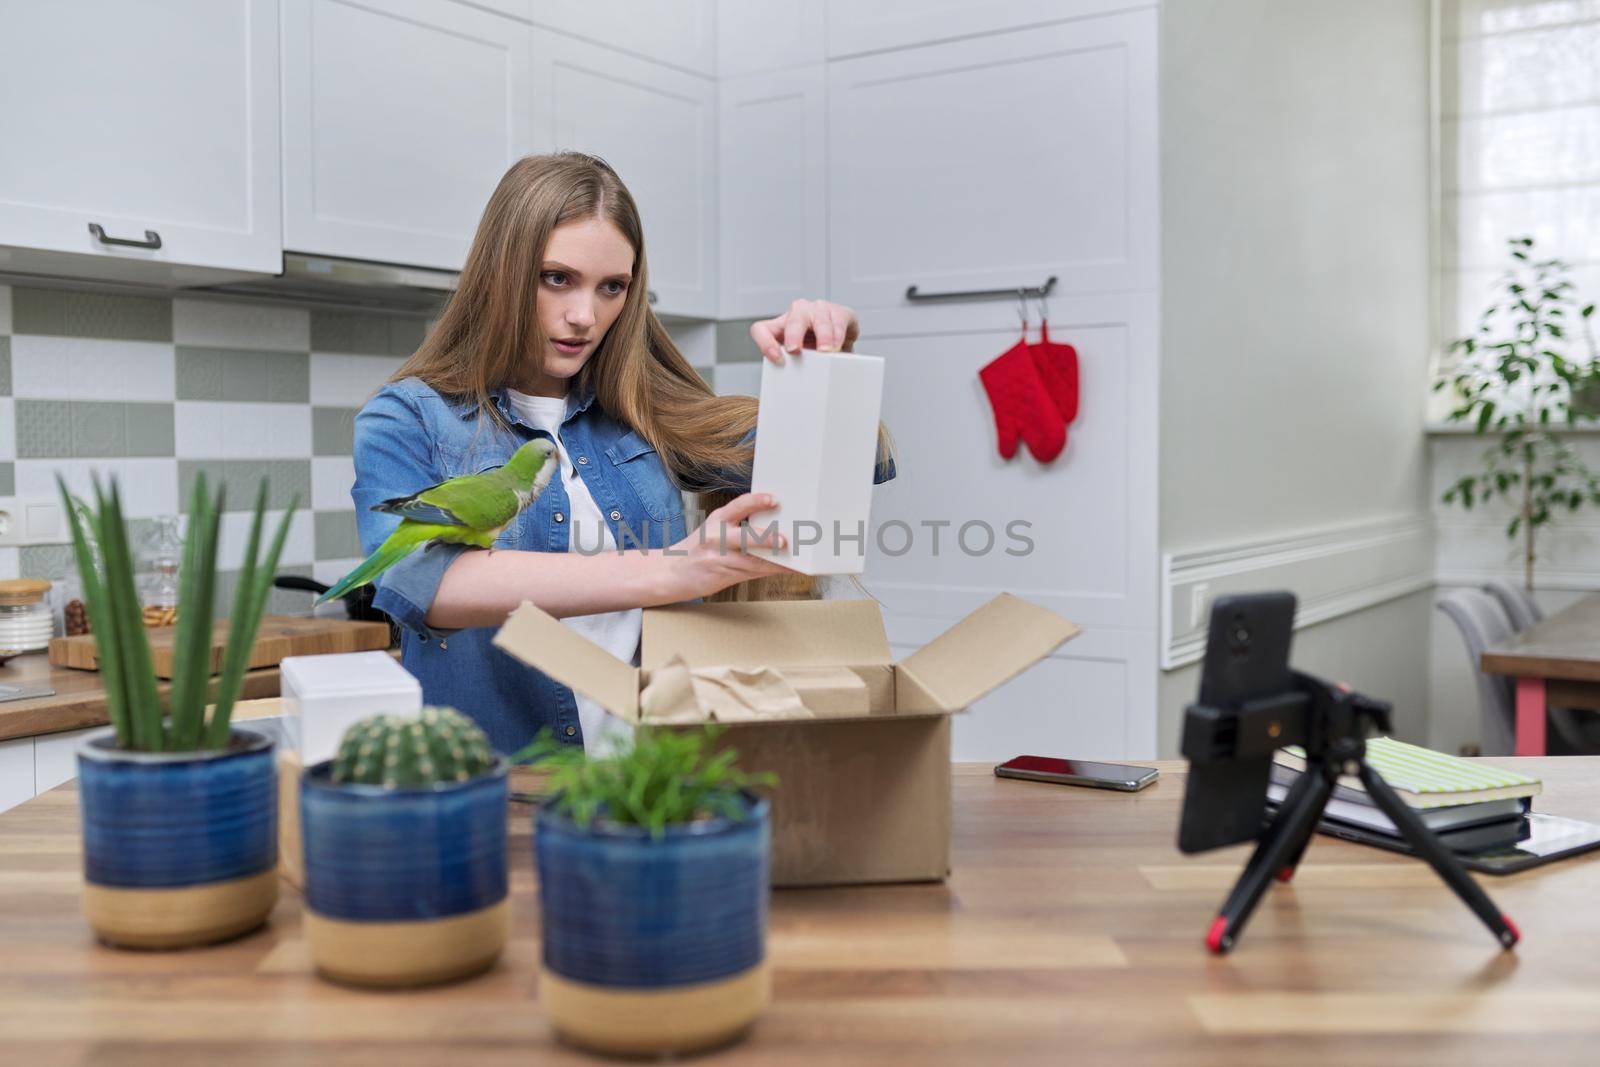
(405, 852)
(654, 871)
(179, 807)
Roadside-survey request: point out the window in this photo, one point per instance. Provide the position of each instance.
(1519, 144)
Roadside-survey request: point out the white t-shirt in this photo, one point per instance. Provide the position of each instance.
(615, 631)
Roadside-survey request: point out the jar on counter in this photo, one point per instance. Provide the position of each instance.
(26, 622)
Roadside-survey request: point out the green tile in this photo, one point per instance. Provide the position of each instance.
(44, 429)
(99, 428)
(289, 377)
(405, 334)
(368, 333)
(150, 429)
(8, 479)
(189, 468)
(291, 479)
(244, 375)
(243, 479)
(279, 601)
(54, 562)
(69, 313)
(334, 535)
(333, 431)
(350, 331)
(5, 366)
(291, 601)
(734, 344)
(199, 373)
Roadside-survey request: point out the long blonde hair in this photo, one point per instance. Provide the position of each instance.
(489, 331)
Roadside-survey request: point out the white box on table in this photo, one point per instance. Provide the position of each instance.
(816, 447)
(324, 695)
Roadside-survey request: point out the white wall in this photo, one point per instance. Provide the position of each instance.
(1295, 307)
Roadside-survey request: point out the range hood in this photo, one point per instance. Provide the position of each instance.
(350, 282)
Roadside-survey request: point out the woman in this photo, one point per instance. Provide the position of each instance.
(550, 334)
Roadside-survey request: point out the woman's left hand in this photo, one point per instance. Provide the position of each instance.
(818, 324)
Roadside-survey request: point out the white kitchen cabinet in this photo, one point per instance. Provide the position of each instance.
(398, 121)
(772, 227)
(656, 127)
(678, 33)
(156, 123)
(996, 162)
(16, 772)
(856, 26)
(754, 36)
(55, 757)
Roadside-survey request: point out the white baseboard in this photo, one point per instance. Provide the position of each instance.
(1333, 571)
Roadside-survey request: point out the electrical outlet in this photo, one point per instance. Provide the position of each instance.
(1199, 604)
(31, 522)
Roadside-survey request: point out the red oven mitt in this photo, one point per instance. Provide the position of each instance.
(1022, 406)
(1057, 365)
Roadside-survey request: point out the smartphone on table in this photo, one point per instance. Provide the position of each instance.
(1077, 772)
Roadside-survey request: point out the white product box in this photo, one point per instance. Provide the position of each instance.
(323, 695)
(816, 445)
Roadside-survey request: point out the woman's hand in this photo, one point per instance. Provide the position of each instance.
(818, 324)
(712, 558)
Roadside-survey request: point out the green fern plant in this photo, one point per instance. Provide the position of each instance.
(667, 778)
(1516, 378)
(142, 720)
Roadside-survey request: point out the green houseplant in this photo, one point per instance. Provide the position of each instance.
(405, 852)
(654, 867)
(178, 807)
(1517, 379)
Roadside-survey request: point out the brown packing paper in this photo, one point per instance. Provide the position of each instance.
(678, 694)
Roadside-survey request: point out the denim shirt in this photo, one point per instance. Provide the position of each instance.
(409, 437)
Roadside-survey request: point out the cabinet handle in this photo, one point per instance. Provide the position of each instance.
(152, 239)
(1021, 292)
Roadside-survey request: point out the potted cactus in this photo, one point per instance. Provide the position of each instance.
(654, 866)
(179, 808)
(405, 852)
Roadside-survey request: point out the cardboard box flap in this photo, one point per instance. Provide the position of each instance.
(542, 641)
(766, 633)
(988, 647)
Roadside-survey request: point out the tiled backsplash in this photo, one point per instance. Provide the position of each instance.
(153, 389)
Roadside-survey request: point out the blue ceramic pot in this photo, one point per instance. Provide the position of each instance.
(404, 886)
(179, 848)
(654, 945)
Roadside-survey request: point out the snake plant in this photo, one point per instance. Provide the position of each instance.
(142, 719)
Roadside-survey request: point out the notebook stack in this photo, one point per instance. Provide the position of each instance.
(1472, 806)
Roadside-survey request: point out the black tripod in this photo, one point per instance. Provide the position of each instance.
(1338, 724)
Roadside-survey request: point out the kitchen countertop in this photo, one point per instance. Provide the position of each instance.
(80, 698)
(1070, 931)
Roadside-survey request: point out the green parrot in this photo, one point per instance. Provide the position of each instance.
(470, 510)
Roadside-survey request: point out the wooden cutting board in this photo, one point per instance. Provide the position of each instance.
(278, 636)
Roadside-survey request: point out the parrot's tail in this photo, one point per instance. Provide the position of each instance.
(399, 545)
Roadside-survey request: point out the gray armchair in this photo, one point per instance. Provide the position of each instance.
(1483, 622)
(1518, 602)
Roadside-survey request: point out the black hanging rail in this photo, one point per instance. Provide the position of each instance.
(1021, 292)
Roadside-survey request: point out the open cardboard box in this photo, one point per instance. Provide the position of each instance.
(861, 796)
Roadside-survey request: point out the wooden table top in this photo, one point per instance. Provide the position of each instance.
(1070, 932)
(80, 697)
(1564, 646)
